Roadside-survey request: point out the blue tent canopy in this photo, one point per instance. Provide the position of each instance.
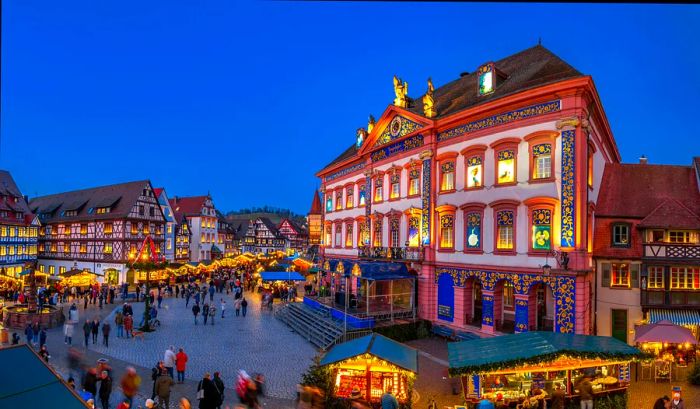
(381, 270)
(378, 345)
(281, 276)
(27, 382)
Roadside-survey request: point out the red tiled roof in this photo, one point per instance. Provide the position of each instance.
(316, 204)
(188, 206)
(635, 190)
(671, 214)
(602, 239)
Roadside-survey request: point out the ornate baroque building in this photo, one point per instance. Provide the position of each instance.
(479, 186)
(98, 229)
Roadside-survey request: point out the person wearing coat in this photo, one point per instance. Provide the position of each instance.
(105, 389)
(129, 325)
(87, 328)
(164, 384)
(211, 394)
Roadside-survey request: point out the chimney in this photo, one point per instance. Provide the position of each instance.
(643, 160)
(463, 74)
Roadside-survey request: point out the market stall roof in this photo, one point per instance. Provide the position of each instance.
(509, 351)
(378, 345)
(281, 275)
(75, 271)
(27, 382)
(678, 317)
(664, 331)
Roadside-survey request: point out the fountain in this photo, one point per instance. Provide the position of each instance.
(19, 315)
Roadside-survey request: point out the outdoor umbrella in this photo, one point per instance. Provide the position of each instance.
(664, 331)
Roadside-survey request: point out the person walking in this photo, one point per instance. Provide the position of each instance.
(586, 392)
(87, 329)
(219, 383)
(181, 365)
(212, 313)
(95, 329)
(209, 394)
(188, 294)
(29, 332)
(169, 359)
(35, 331)
(106, 329)
(105, 389)
(237, 306)
(163, 386)
(68, 332)
(130, 383)
(223, 308)
(212, 290)
(129, 325)
(244, 306)
(195, 312)
(156, 372)
(90, 381)
(388, 400)
(119, 322)
(558, 397)
(160, 299)
(205, 313)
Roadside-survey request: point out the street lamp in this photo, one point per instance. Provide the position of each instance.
(561, 257)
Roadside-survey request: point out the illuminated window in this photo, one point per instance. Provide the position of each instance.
(506, 166)
(377, 239)
(621, 235)
(620, 275)
(170, 228)
(486, 79)
(362, 196)
(108, 248)
(61, 269)
(504, 227)
(473, 234)
(329, 203)
(447, 176)
(52, 270)
(414, 231)
(338, 235)
(395, 186)
(20, 250)
(378, 192)
(685, 278)
(108, 228)
(362, 234)
(656, 278)
(204, 238)
(414, 182)
(169, 244)
(447, 232)
(134, 229)
(339, 200)
(349, 197)
(475, 170)
(678, 236)
(348, 235)
(83, 229)
(13, 232)
(541, 229)
(542, 161)
(54, 248)
(327, 241)
(204, 223)
(83, 248)
(3, 231)
(508, 294)
(3, 250)
(146, 229)
(66, 248)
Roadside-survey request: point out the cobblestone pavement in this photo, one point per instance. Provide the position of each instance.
(256, 343)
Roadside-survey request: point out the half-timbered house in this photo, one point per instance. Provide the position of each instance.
(19, 229)
(296, 237)
(169, 223)
(203, 224)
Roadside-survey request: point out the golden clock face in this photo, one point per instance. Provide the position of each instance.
(395, 126)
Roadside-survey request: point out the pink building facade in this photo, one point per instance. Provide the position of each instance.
(479, 186)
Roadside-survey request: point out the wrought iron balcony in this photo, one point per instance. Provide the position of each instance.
(391, 253)
(672, 251)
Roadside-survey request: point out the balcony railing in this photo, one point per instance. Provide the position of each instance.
(672, 251)
(391, 253)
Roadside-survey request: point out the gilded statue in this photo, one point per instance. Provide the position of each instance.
(429, 102)
(361, 136)
(401, 91)
(370, 124)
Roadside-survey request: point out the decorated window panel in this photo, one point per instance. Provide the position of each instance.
(620, 275)
(542, 229)
(377, 242)
(362, 195)
(394, 224)
(414, 182)
(487, 79)
(349, 197)
(339, 200)
(685, 278)
(378, 189)
(414, 231)
(447, 172)
(542, 161)
(505, 230)
(363, 234)
(348, 235)
(395, 186)
(329, 205)
(473, 234)
(447, 231)
(475, 172)
(508, 294)
(328, 235)
(506, 166)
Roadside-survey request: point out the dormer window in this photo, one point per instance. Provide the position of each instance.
(487, 79)
(103, 210)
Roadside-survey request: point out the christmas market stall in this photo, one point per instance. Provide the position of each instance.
(520, 369)
(372, 364)
(78, 278)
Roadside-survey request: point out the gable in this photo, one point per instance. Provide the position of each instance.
(396, 128)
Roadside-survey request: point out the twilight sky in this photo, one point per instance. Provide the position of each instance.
(249, 100)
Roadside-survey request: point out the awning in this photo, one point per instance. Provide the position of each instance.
(678, 317)
(281, 276)
(664, 331)
(485, 355)
(380, 270)
(378, 345)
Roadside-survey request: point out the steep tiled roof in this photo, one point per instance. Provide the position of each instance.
(530, 68)
(9, 189)
(270, 226)
(316, 207)
(671, 214)
(189, 206)
(635, 190)
(122, 196)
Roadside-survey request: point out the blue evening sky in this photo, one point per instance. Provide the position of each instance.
(249, 100)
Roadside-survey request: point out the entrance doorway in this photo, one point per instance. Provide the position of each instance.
(541, 308)
(618, 320)
(478, 307)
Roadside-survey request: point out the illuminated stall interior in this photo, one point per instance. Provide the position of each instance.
(510, 367)
(78, 278)
(372, 364)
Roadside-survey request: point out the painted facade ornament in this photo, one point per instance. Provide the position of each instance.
(573, 122)
(425, 197)
(398, 127)
(568, 193)
(429, 102)
(370, 124)
(361, 136)
(401, 91)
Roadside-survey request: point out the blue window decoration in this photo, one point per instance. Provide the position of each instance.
(541, 229)
(329, 204)
(473, 238)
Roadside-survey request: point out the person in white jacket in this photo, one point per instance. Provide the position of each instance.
(169, 360)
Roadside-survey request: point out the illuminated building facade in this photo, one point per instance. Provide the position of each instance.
(296, 237)
(203, 224)
(479, 186)
(169, 215)
(315, 220)
(19, 229)
(98, 229)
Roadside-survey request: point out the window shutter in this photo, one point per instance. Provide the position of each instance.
(634, 275)
(605, 276)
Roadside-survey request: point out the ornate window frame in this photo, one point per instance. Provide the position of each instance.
(473, 156)
(447, 160)
(337, 231)
(349, 195)
(540, 205)
(411, 213)
(476, 210)
(446, 214)
(413, 168)
(377, 220)
(349, 231)
(503, 145)
(361, 187)
(394, 177)
(378, 181)
(501, 206)
(537, 143)
(338, 194)
(360, 230)
(328, 234)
